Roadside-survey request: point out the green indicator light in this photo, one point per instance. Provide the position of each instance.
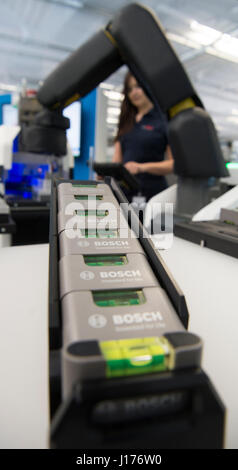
(105, 260)
(91, 213)
(94, 233)
(107, 233)
(232, 165)
(85, 185)
(89, 233)
(119, 298)
(229, 222)
(136, 356)
(85, 197)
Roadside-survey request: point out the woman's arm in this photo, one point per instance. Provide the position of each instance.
(117, 156)
(155, 168)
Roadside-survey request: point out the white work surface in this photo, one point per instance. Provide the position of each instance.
(209, 281)
(24, 376)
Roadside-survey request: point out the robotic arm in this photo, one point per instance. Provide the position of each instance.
(135, 37)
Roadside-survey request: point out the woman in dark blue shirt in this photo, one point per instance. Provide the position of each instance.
(141, 142)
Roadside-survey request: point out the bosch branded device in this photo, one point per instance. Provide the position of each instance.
(215, 226)
(220, 235)
(124, 370)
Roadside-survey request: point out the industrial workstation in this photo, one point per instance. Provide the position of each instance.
(119, 225)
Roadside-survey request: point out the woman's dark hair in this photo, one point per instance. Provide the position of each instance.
(128, 110)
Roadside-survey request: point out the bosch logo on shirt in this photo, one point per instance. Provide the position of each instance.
(147, 127)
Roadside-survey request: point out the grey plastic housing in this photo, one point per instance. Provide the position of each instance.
(78, 367)
(188, 349)
(86, 322)
(75, 275)
(108, 202)
(70, 189)
(115, 220)
(80, 245)
(229, 215)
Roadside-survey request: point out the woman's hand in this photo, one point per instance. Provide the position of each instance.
(133, 167)
(99, 177)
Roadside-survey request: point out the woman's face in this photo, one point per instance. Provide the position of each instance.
(136, 94)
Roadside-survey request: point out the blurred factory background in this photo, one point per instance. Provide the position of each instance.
(36, 35)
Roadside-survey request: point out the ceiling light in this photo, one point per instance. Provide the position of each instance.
(6, 87)
(202, 34)
(72, 3)
(182, 40)
(222, 55)
(228, 45)
(107, 86)
(114, 95)
(233, 119)
(113, 111)
(111, 120)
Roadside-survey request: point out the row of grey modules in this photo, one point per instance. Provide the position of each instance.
(116, 318)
